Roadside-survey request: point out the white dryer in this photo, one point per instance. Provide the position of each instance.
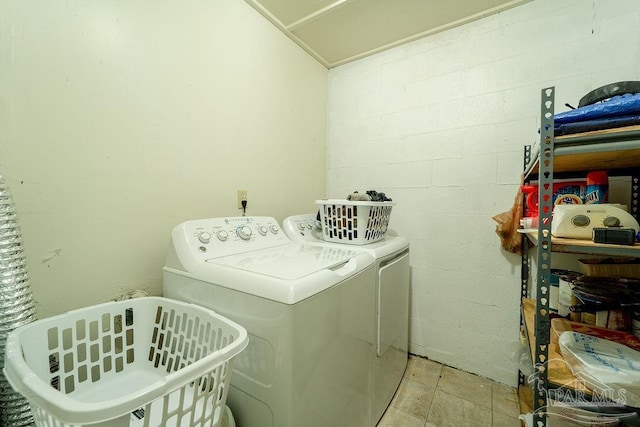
(308, 312)
(391, 302)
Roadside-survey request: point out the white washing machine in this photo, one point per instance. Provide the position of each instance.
(308, 312)
(391, 302)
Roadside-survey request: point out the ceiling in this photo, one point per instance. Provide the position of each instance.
(339, 31)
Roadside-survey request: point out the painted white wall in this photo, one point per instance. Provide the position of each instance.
(121, 119)
(440, 125)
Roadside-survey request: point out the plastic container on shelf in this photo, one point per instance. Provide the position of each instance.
(151, 361)
(352, 222)
(597, 191)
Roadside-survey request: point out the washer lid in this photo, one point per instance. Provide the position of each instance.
(287, 262)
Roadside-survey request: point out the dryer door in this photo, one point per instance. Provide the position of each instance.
(393, 305)
(392, 332)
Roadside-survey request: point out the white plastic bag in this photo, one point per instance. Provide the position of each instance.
(561, 414)
(610, 369)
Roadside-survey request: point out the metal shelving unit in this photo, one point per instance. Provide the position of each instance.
(616, 150)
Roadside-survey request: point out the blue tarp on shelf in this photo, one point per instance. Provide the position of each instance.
(618, 111)
(596, 124)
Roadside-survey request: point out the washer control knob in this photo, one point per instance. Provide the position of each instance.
(262, 230)
(274, 228)
(204, 236)
(309, 226)
(222, 235)
(301, 226)
(244, 232)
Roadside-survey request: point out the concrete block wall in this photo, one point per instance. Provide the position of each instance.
(440, 125)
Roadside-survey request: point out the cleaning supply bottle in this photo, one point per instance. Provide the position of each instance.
(597, 188)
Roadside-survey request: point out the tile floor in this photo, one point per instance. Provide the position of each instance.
(434, 395)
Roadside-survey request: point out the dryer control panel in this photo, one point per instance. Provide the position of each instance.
(303, 228)
(194, 242)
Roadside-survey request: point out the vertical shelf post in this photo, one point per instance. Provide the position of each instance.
(543, 284)
(635, 194)
(524, 266)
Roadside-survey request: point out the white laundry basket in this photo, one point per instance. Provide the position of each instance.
(355, 223)
(147, 361)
